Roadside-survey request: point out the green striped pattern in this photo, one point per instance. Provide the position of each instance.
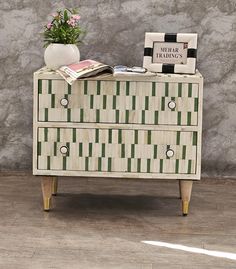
(117, 150)
(126, 102)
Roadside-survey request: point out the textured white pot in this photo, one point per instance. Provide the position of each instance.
(57, 55)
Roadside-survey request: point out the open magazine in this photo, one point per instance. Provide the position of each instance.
(91, 68)
(83, 69)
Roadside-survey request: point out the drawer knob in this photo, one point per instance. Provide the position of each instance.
(170, 153)
(64, 102)
(63, 149)
(172, 105)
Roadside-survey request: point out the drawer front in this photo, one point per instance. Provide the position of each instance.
(117, 150)
(123, 102)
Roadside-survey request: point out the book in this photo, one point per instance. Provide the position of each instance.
(92, 68)
(83, 69)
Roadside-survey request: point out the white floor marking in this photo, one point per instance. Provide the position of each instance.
(227, 255)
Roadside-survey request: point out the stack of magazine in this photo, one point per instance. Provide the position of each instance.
(83, 69)
(91, 68)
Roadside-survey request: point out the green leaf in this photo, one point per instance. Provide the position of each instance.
(65, 15)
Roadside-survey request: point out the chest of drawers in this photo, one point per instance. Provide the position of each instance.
(130, 127)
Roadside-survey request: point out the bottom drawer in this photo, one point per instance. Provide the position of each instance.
(117, 150)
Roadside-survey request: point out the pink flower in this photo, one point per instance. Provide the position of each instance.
(49, 25)
(76, 17)
(72, 22)
(54, 14)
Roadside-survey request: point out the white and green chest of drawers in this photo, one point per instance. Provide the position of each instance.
(132, 127)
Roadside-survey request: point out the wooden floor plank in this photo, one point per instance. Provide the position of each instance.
(101, 223)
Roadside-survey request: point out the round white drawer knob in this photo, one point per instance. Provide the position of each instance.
(64, 102)
(172, 105)
(170, 153)
(63, 149)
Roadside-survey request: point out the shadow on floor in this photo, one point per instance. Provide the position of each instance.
(75, 204)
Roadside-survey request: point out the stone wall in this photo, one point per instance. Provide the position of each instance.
(115, 35)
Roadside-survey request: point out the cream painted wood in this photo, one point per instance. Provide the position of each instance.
(164, 129)
(110, 125)
(45, 73)
(129, 175)
(161, 102)
(85, 137)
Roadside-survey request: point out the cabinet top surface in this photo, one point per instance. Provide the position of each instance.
(45, 73)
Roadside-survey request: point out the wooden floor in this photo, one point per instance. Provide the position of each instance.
(101, 223)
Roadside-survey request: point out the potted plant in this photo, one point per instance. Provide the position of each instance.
(61, 37)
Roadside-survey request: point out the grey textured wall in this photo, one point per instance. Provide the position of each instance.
(115, 35)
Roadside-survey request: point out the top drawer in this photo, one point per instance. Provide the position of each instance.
(131, 102)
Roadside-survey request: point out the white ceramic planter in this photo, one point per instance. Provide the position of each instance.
(57, 55)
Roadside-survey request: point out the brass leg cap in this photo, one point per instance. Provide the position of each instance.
(46, 204)
(185, 207)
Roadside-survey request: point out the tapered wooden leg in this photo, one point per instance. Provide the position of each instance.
(54, 185)
(186, 190)
(46, 184)
(180, 195)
